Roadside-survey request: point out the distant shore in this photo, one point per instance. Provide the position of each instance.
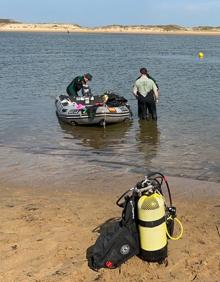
(133, 29)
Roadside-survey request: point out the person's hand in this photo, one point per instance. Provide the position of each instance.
(157, 100)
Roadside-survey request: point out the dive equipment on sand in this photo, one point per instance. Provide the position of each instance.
(155, 218)
(146, 223)
(118, 240)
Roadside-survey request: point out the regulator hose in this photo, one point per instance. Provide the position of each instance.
(163, 178)
(125, 193)
(181, 229)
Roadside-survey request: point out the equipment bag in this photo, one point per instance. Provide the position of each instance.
(118, 242)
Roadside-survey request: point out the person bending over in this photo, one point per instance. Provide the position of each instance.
(80, 83)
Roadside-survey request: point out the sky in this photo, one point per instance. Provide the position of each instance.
(92, 13)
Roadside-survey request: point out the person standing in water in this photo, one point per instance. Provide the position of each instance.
(146, 91)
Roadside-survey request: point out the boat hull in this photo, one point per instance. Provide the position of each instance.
(102, 115)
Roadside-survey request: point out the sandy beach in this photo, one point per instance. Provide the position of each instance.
(51, 201)
(45, 232)
(136, 29)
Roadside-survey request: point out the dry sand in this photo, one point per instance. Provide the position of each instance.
(45, 232)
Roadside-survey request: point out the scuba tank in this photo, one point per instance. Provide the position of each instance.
(152, 227)
(155, 219)
(153, 216)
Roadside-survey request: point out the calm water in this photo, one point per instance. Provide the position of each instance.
(35, 68)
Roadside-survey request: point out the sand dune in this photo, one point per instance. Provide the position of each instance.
(68, 28)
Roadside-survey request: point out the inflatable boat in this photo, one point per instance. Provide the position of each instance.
(95, 110)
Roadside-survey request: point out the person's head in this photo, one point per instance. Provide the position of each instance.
(143, 71)
(87, 77)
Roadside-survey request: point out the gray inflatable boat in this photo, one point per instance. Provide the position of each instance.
(96, 110)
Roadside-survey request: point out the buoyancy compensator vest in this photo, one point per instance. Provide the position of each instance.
(118, 240)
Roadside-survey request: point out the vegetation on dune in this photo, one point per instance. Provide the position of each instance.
(7, 21)
(170, 27)
(206, 28)
(165, 28)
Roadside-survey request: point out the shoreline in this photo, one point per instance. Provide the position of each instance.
(52, 196)
(46, 232)
(68, 28)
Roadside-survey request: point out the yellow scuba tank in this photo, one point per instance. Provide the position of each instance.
(151, 211)
(154, 218)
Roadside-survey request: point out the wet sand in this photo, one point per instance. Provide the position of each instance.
(45, 232)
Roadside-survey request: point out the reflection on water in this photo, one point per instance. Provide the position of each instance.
(148, 139)
(147, 145)
(97, 137)
(130, 145)
(148, 133)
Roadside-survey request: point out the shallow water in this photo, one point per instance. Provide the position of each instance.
(36, 67)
